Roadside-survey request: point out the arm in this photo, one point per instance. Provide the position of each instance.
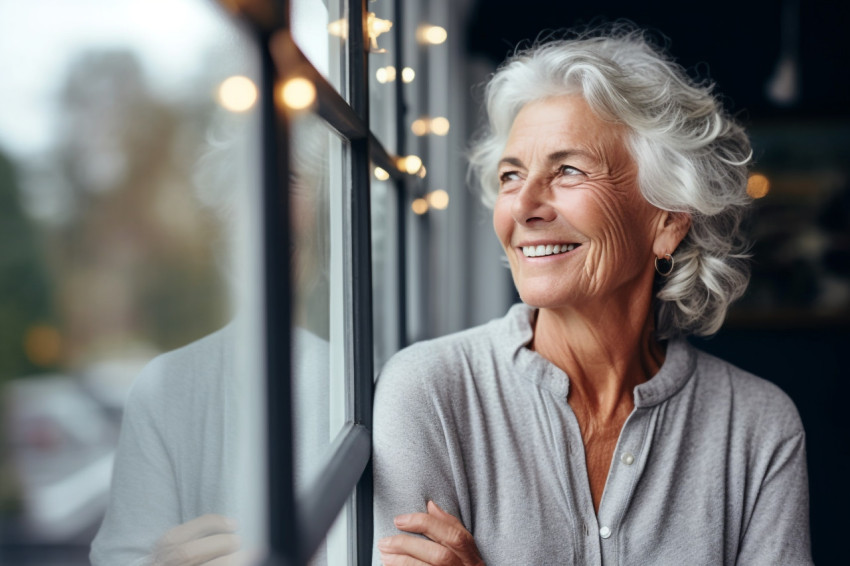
(144, 524)
(415, 446)
(778, 528)
(143, 499)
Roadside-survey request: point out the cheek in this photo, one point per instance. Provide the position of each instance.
(620, 230)
(503, 221)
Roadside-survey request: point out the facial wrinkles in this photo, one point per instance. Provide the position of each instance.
(601, 208)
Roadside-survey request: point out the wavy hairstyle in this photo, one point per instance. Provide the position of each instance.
(691, 155)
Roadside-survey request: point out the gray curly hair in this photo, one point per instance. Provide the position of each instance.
(691, 155)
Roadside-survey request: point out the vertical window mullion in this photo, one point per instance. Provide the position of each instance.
(400, 183)
(361, 268)
(283, 536)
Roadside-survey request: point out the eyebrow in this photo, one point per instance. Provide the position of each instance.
(553, 157)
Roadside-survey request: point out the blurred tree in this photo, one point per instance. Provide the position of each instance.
(24, 289)
(134, 257)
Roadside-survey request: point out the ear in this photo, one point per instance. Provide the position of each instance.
(671, 230)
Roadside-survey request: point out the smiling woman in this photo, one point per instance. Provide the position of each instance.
(582, 428)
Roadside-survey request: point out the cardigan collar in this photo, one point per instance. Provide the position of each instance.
(514, 337)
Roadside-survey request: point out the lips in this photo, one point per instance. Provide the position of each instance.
(542, 250)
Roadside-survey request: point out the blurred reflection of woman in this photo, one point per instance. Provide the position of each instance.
(582, 428)
(173, 500)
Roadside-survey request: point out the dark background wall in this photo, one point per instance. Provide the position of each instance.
(793, 327)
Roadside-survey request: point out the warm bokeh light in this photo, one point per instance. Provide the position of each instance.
(298, 93)
(419, 127)
(43, 345)
(411, 164)
(439, 126)
(375, 26)
(381, 174)
(237, 94)
(407, 75)
(419, 206)
(385, 74)
(758, 185)
(338, 28)
(438, 199)
(422, 172)
(434, 35)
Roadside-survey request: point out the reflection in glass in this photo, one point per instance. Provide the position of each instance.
(122, 245)
(320, 405)
(382, 80)
(320, 29)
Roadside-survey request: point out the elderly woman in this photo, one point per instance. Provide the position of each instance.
(582, 428)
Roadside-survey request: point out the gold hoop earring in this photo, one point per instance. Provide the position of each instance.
(667, 259)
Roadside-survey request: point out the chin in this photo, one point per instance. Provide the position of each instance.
(544, 299)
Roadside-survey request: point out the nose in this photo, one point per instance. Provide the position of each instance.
(532, 205)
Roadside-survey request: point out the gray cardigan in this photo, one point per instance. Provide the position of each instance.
(710, 467)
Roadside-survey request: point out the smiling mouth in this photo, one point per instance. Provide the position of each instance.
(548, 249)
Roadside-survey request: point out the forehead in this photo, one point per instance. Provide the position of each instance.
(564, 122)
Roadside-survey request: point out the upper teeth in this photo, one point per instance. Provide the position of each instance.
(548, 249)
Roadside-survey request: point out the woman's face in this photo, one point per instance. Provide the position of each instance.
(569, 215)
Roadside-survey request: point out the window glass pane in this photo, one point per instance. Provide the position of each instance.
(318, 183)
(385, 275)
(338, 547)
(320, 28)
(129, 205)
(383, 76)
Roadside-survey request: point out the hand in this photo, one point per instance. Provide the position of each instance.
(450, 543)
(208, 540)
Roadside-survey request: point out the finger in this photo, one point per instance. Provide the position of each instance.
(442, 527)
(421, 549)
(198, 527)
(440, 513)
(200, 551)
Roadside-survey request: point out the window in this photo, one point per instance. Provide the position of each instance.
(220, 179)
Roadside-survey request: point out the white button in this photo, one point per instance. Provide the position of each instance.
(605, 532)
(627, 459)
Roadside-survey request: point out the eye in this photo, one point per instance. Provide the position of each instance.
(569, 170)
(509, 176)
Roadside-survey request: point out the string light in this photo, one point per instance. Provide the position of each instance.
(338, 28)
(420, 126)
(381, 174)
(440, 125)
(237, 93)
(411, 164)
(385, 74)
(298, 93)
(376, 26)
(433, 35)
(419, 206)
(758, 185)
(438, 199)
(407, 75)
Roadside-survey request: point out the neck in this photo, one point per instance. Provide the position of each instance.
(606, 352)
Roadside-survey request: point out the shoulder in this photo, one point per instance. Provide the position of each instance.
(189, 373)
(449, 360)
(451, 373)
(753, 401)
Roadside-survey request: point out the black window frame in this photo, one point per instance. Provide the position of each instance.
(297, 526)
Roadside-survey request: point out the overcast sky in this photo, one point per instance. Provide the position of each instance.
(38, 38)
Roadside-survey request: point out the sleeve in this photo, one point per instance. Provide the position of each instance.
(778, 528)
(143, 499)
(412, 445)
